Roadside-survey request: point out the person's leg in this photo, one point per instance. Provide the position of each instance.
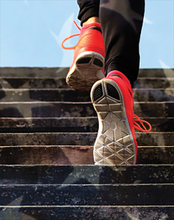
(121, 26)
(88, 9)
(88, 59)
(112, 97)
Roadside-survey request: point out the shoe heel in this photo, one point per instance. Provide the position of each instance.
(90, 60)
(86, 71)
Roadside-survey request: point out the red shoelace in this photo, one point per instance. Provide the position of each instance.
(139, 124)
(67, 38)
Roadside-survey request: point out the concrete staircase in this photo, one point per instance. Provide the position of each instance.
(47, 131)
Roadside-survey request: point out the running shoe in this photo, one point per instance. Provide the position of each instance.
(88, 60)
(112, 98)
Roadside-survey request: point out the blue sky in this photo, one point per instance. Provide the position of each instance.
(31, 32)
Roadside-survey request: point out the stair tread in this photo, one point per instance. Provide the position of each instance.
(74, 109)
(69, 95)
(86, 174)
(71, 124)
(54, 71)
(57, 82)
(87, 212)
(76, 154)
(78, 138)
(87, 194)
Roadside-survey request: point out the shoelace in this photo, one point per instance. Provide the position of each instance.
(67, 38)
(139, 124)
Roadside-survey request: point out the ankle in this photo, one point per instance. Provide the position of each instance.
(91, 20)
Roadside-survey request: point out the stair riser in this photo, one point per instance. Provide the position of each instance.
(47, 155)
(82, 139)
(153, 95)
(56, 71)
(156, 73)
(155, 83)
(48, 109)
(31, 82)
(68, 95)
(89, 174)
(90, 213)
(89, 194)
(76, 155)
(34, 72)
(65, 95)
(57, 82)
(8, 125)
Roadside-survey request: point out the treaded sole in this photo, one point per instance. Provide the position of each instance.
(86, 71)
(114, 144)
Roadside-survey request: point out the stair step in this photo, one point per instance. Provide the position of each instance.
(71, 124)
(153, 95)
(69, 95)
(79, 138)
(86, 212)
(86, 174)
(78, 109)
(163, 73)
(74, 154)
(57, 82)
(62, 72)
(84, 194)
(33, 82)
(32, 72)
(46, 154)
(66, 95)
(64, 124)
(155, 82)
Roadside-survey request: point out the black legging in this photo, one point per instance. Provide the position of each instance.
(121, 22)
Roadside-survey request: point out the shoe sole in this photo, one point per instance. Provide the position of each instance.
(86, 70)
(114, 144)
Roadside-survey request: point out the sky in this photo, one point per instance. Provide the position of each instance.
(31, 32)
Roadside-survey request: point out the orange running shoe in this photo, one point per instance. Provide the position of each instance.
(88, 60)
(112, 98)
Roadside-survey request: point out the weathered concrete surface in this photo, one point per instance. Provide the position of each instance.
(70, 95)
(81, 139)
(62, 72)
(38, 108)
(86, 174)
(33, 72)
(71, 109)
(89, 192)
(53, 154)
(42, 155)
(71, 124)
(43, 121)
(88, 213)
